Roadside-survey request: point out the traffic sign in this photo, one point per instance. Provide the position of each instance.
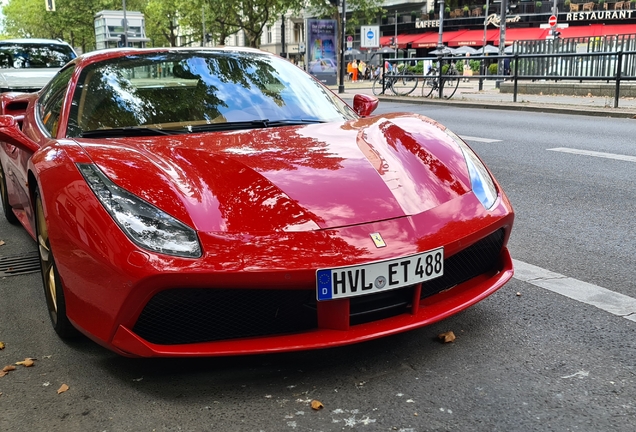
(552, 21)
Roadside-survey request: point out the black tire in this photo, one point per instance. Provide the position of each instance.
(53, 289)
(429, 83)
(378, 82)
(450, 86)
(4, 197)
(405, 84)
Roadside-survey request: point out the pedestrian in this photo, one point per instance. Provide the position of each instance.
(362, 69)
(354, 70)
(349, 71)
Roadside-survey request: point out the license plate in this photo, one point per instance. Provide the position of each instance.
(379, 276)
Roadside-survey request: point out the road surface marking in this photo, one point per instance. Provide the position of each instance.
(602, 298)
(477, 139)
(595, 154)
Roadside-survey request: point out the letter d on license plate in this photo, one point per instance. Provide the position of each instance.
(379, 276)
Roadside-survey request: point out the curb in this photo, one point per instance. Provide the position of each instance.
(580, 110)
(518, 106)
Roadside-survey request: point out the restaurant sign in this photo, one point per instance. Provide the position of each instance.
(599, 15)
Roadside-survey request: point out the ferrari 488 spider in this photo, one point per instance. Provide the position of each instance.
(200, 202)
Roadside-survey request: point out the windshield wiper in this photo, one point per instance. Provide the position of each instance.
(251, 124)
(129, 131)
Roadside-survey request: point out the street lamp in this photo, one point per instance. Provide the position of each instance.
(342, 46)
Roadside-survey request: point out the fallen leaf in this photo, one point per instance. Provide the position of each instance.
(62, 389)
(518, 294)
(2, 243)
(8, 368)
(27, 362)
(3, 373)
(316, 405)
(447, 337)
(2, 345)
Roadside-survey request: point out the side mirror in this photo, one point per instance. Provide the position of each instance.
(364, 104)
(11, 134)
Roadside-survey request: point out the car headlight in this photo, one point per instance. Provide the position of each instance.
(146, 225)
(482, 184)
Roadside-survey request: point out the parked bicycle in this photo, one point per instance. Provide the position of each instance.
(399, 80)
(449, 84)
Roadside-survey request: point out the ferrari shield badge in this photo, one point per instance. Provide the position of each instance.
(378, 240)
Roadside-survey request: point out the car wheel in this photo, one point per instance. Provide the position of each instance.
(4, 196)
(53, 290)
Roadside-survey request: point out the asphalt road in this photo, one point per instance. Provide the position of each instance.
(525, 359)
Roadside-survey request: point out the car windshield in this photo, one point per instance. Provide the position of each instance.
(34, 55)
(194, 90)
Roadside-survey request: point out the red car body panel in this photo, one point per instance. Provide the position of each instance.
(269, 208)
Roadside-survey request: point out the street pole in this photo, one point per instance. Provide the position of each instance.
(395, 41)
(203, 20)
(342, 44)
(125, 41)
(283, 53)
(440, 42)
(483, 49)
(502, 41)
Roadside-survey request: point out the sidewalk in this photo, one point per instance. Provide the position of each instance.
(468, 95)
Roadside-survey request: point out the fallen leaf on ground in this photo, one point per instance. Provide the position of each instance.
(2, 345)
(62, 389)
(3, 373)
(8, 368)
(447, 337)
(2, 243)
(27, 362)
(316, 405)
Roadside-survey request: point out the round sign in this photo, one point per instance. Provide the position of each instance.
(349, 38)
(553, 20)
(370, 34)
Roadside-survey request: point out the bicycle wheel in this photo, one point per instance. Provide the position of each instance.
(450, 85)
(405, 84)
(429, 83)
(378, 83)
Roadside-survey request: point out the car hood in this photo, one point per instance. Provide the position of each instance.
(26, 79)
(293, 178)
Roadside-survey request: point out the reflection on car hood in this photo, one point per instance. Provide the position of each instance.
(26, 79)
(291, 178)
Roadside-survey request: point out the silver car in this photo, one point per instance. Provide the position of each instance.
(26, 65)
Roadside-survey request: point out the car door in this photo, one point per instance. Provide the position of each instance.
(42, 129)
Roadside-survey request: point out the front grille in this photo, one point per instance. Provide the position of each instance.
(191, 315)
(477, 259)
(480, 258)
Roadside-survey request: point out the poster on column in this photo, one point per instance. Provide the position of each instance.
(321, 50)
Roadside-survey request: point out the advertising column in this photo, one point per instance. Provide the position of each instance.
(321, 50)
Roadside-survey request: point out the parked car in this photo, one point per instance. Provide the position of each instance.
(26, 65)
(201, 202)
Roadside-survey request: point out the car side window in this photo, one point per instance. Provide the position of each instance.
(52, 98)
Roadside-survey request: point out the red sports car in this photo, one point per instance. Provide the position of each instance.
(201, 202)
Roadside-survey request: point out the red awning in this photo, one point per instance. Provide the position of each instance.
(473, 38)
(530, 33)
(430, 40)
(613, 30)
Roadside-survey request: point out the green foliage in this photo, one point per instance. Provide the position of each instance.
(474, 65)
(492, 69)
(538, 4)
(447, 9)
(418, 69)
(466, 9)
(567, 3)
(460, 67)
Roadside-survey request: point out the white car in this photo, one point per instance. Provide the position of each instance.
(26, 65)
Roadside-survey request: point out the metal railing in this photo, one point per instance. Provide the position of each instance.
(611, 67)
